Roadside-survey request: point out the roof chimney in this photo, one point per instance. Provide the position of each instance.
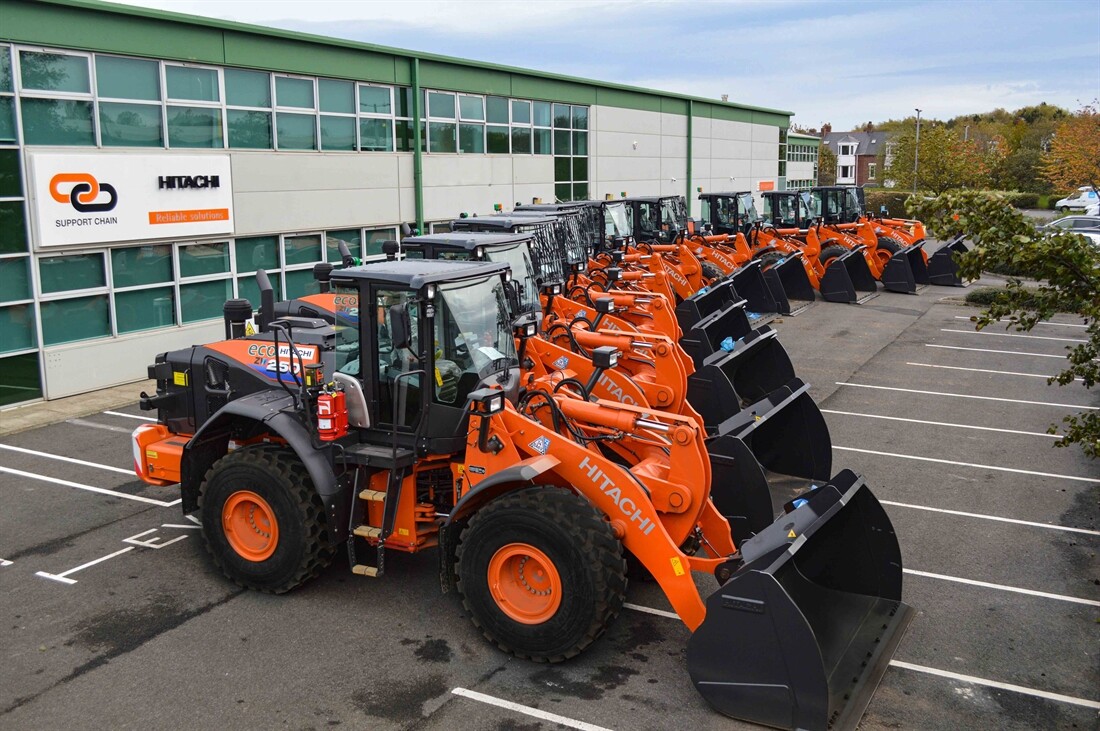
(725, 97)
(826, 129)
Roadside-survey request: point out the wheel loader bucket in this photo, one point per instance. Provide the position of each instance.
(942, 269)
(848, 280)
(804, 629)
(897, 275)
(917, 263)
(706, 336)
(791, 285)
(751, 286)
(727, 381)
(705, 302)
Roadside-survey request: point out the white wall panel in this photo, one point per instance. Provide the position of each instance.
(531, 169)
(311, 210)
(765, 133)
(274, 171)
(674, 124)
(614, 119)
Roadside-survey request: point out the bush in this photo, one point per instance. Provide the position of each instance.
(1025, 200)
(894, 200)
(986, 296)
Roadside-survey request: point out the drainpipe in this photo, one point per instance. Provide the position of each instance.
(689, 131)
(418, 159)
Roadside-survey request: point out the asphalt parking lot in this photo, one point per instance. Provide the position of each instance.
(116, 619)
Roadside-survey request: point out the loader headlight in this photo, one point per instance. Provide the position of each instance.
(606, 356)
(579, 267)
(551, 289)
(487, 401)
(604, 305)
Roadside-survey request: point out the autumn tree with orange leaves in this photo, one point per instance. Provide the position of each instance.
(1074, 156)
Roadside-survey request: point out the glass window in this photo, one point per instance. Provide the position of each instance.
(247, 88)
(16, 276)
(204, 300)
(296, 131)
(521, 112)
(260, 252)
(11, 182)
(7, 119)
(293, 92)
(521, 140)
(542, 114)
(337, 133)
(471, 108)
(19, 378)
(541, 142)
(145, 309)
(497, 139)
(301, 283)
(16, 329)
(249, 290)
(580, 117)
(54, 72)
(496, 109)
(13, 229)
(193, 83)
(580, 143)
(376, 100)
(336, 96)
(350, 237)
(249, 130)
(301, 249)
(137, 265)
(561, 116)
(376, 135)
(562, 169)
(580, 168)
(130, 125)
(580, 191)
(127, 78)
(372, 246)
(441, 136)
(405, 134)
(562, 145)
(198, 260)
(5, 69)
(194, 127)
(441, 104)
(563, 192)
(57, 122)
(471, 137)
(404, 98)
(80, 318)
(66, 273)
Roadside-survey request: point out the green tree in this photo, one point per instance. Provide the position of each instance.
(945, 161)
(1066, 266)
(826, 166)
(1074, 157)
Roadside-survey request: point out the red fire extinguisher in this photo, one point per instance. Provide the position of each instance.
(332, 415)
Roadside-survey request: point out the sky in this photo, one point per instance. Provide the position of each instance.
(844, 63)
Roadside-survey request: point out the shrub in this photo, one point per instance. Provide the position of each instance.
(894, 200)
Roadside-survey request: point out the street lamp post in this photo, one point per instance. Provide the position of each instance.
(916, 150)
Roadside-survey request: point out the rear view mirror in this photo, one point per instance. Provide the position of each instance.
(406, 230)
(400, 327)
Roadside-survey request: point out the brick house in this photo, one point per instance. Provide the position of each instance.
(857, 156)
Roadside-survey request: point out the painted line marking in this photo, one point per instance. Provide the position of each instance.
(651, 610)
(1041, 322)
(1012, 335)
(62, 577)
(996, 684)
(155, 543)
(944, 423)
(58, 457)
(181, 527)
(984, 516)
(4, 562)
(94, 425)
(90, 488)
(129, 416)
(193, 519)
(1003, 587)
(986, 350)
(970, 464)
(527, 710)
(970, 396)
(986, 370)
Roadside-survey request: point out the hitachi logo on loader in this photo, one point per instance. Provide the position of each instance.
(607, 487)
(616, 391)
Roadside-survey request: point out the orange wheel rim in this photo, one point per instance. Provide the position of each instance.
(524, 583)
(250, 526)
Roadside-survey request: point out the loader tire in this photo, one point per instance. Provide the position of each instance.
(887, 247)
(828, 253)
(712, 272)
(262, 521)
(769, 259)
(577, 585)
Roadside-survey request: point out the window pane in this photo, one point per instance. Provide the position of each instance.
(542, 114)
(441, 105)
(75, 319)
(249, 130)
(291, 92)
(542, 141)
(19, 378)
(376, 135)
(403, 95)
(204, 300)
(54, 72)
(337, 133)
(260, 252)
(441, 137)
(496, 109)
(16, 276)
(130, 125)
(332, 244)
(296, 131)
(16, 329)
(11, 182)
(405, 136)
(521, 112)
(521, 140)
(13, 230)
(7, 119)
(580, 168)
(301, 283)
(376, 100)
(580, 117)
(57, 122)
(248, 289)
(563, 192)
(144, 309)
(5, 69)
(580, 143)
(199, 259)
(580, 191)
(561, 142)
(186, 82)
(562, 169)
(471, 137)
(336, 96)
(301, 249)
(141, 265)
(497, 139)
(561, 115)
(127, 78)
(64, 273)
(247, 88)
(471, 108)
(373, 244)
(194, 127)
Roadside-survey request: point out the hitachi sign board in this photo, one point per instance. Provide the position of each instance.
(96, 199)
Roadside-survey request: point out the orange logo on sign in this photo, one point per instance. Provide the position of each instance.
(85, 190)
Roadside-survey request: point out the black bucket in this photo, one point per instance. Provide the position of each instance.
(788, 277)
(805, 627)
(897, 275)
(748, 281)
(849, 280)
(728, 381)
(705, 302)
(917, 262)
(942, 269)
(706, 336)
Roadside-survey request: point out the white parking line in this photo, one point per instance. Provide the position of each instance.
(1003, 587)
(129, 416)
(90, 488)
(1041, 322)
(651, 610)
(62, 576)
(970, 396)
(94, 425)
(944, 423)
(1012, 335)
(987, 350)
(4, 562)
(58, 457)
(986, 370)
(969, 464)
(527, 710)
(985, 516)
(996, 684)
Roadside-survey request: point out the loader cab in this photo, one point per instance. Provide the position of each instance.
(588, 217)
(837, 204)
(550, 252)
(431, 332)
(657, 218)
(729, 213)
(788, 209)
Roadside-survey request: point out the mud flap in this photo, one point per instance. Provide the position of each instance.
(706, 336)
(728, 381)
(751, 286)
(897, 275)
(790, 284)
(942, 269)
(849, 280)
(804, 629)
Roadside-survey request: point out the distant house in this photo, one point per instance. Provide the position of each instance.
(857, 157)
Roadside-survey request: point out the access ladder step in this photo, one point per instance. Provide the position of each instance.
(367, 531)
(375, 495)
(363, 570)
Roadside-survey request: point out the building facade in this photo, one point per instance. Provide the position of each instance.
(801, 161)
(858, 157)
(151, 163)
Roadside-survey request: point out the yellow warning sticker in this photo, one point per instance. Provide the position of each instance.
(677, 567)
(791, 533)
(150, 454)
(249, 327)
(402, 531)
(179, 378)
(438, 378)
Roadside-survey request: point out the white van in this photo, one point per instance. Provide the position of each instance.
(1081, 199)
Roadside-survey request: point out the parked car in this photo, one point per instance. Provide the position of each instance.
(1087, 226)
(1081, 199)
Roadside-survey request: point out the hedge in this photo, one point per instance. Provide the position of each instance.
(894, 201)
